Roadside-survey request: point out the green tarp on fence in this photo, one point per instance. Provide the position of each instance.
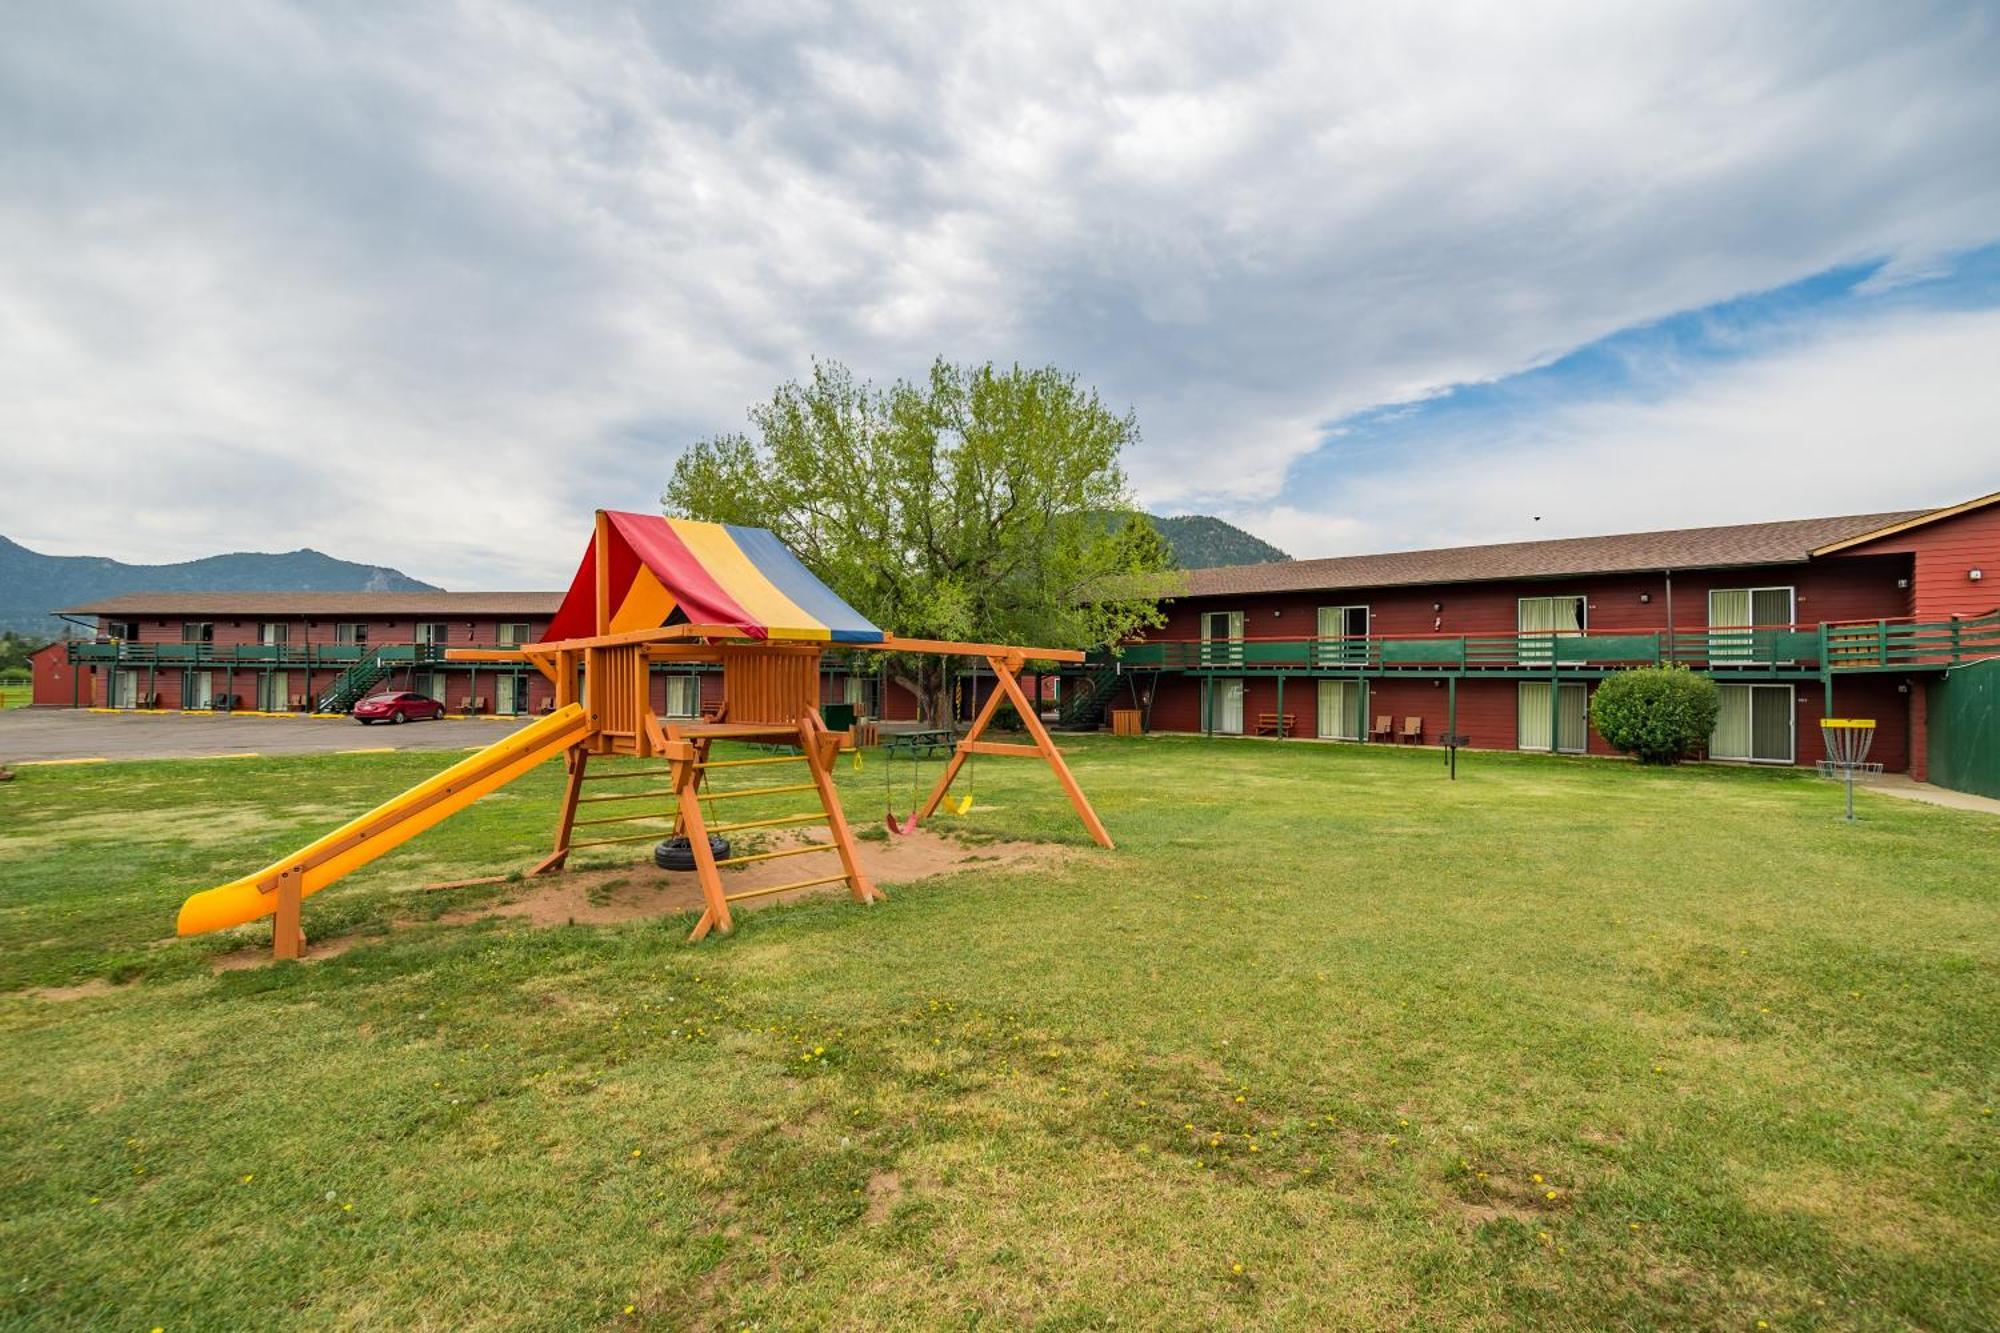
(1964, 718)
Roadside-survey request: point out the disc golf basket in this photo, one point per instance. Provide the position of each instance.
(1847, 742)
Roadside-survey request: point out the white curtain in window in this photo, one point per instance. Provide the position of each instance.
(1732, 725)
(1531, 730)
(1228, 705)
(1339, 710)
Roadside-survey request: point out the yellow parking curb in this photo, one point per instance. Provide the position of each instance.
(50, 763)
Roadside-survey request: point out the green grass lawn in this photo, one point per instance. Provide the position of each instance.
(14, 695)
(1328, 1042)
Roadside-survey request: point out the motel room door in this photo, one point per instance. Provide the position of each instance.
(124, 689)
(198, 690)
(503, 695)
(1340, 710)
(1222, 638)
(1225, 704)
(272, 687)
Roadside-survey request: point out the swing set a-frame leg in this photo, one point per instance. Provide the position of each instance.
(1010, 688)
(577, 759)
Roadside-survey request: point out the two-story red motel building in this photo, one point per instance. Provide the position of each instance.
(1865, 615)
(319, 652)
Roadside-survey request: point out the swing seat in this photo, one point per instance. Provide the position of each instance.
(959, 805)
(902, 828)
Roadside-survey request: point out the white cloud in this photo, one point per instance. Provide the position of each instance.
(424, 285)
(1898, 415)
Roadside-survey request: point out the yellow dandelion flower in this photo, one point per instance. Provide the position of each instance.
(1236, 1269)
(1550, 1195)
(252, 1176)
(1537, 1177)
(637, 1151)
(347, 1208)
(1239, 1096)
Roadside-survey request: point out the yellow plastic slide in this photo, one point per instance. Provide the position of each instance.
(394, 822)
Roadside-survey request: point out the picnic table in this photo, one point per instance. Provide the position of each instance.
(927, 741)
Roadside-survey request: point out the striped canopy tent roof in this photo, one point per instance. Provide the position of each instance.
(675, 571)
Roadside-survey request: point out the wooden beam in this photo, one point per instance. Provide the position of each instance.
(601, 566)
(812, 737)
(985, 715)
(288, 938)
(577, 758)
(999, 747)
(892, 643)
(1051, 753)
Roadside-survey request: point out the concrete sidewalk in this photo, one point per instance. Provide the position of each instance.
(67, 735)
(1900, 786)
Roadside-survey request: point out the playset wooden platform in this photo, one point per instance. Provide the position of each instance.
(650, 590)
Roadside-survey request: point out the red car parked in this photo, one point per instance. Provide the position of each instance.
(401, 707)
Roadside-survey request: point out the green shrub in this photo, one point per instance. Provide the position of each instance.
(1661, 715)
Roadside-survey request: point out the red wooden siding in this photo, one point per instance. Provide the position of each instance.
(1946, 552)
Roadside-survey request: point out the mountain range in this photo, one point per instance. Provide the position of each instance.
(33, 584)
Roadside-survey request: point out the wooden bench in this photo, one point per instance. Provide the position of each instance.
(1384, 729)
(1270, 724)
(475, 705)
(1413, 730)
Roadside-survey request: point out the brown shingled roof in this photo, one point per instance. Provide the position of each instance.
(326, 605)
(1789, 541)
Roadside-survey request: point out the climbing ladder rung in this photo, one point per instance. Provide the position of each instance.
(624, 819)
(653, 836)
(817, 817)
(783, 888)
(635, 773)
(661, 794)
(748, 857)
(746, 763)
(739, 792)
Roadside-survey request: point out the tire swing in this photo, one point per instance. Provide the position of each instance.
(677, 852)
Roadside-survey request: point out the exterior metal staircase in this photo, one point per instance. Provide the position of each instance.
(1086, 698)
(353, 684)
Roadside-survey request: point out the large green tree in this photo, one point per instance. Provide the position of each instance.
(978, 503)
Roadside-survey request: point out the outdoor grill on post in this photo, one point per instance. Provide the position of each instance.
(1451, 741)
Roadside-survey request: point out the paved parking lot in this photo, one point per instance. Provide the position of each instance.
(28, 735)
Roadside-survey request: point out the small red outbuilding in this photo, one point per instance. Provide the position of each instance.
(56, 683)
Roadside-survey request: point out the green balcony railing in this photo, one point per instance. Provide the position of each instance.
(1864, 645)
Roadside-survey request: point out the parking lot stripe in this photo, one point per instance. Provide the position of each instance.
(45, 763)
(373, 749)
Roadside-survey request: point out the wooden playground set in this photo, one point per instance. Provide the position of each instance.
(649, 590)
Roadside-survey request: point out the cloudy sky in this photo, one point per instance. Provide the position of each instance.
(424, 284)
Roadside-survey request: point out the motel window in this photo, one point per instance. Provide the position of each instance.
(430, 684)
(1343, 634)
(1342, 704)
(1542, 620)
(122, 629)
(1225, 707)
(197, 631)
(272, 633)
(1222, 638)
(1743, 623)
(1754, 725)
(1535, 728)
(514, 633)
(351, 634)
(433, 632)
(684, 696)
